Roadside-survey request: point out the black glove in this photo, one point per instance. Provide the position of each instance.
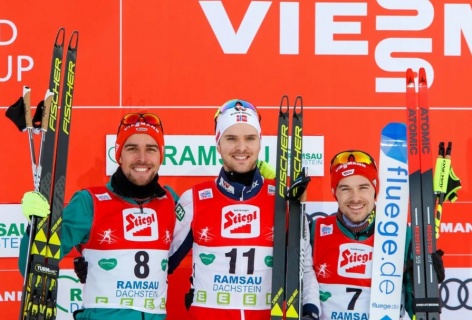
(310, 312)
(298, 186)
(38, 117)
(16, 113)
(189, 296)
(81, 268)
(438, 265)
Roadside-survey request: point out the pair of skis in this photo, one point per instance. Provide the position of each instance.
(426, 304)
(39, 295)
(288, 254)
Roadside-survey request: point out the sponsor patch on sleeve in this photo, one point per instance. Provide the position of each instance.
(179, 212)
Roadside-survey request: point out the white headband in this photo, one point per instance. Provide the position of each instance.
(234, 116)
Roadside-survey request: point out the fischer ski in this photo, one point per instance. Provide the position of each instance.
(280, 216)
(296, 220)
(288, 253)
(426, 305)
(391, 224)
(42, 265)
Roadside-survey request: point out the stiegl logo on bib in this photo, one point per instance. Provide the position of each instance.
(355, 261)
(140, 225)
(240, 221)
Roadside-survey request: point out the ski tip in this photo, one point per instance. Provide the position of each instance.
(422, 77)
(284, 104)
(410, 77)
(74, 40)
(60, 37)
(298, 106)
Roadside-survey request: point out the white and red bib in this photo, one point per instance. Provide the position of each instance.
(343, 267)
(232, 251)
(127, 253)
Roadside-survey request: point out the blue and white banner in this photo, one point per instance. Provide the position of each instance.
(390, 224)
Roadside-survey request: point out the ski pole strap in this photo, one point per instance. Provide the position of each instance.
(426, 305)
(453, 185)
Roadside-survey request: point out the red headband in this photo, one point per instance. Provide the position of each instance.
(138, 128)
(354, 168)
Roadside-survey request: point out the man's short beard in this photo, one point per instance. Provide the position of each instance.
(129, 176)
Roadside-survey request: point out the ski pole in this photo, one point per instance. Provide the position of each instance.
(441, 177)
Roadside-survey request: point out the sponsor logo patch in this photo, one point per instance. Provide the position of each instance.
(326, 230)
(179, 212)
(140, 226)
(103, 197)
(355, 260)
(240, 221)
(205, 194)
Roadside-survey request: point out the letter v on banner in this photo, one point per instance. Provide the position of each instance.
(391, 224)
(231, 41)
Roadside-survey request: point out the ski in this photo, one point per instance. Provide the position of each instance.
(391, 224)
(289, 232)
(296, 220)
(32, 288)
(422, 200)
(40, 289)
(280, 216)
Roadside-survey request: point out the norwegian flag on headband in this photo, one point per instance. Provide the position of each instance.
(241, 118)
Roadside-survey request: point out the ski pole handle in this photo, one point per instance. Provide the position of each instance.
(27, 101)
(46, 110)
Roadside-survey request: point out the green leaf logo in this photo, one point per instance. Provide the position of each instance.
(107, 264)
(164, 263)
(324, 296)
(207, 258)
(269, 261)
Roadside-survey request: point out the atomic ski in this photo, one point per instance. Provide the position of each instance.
(287, 265)
(422, 200)
(391, 223)
(42, 268)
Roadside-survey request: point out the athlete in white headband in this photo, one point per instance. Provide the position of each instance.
(233, 112)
